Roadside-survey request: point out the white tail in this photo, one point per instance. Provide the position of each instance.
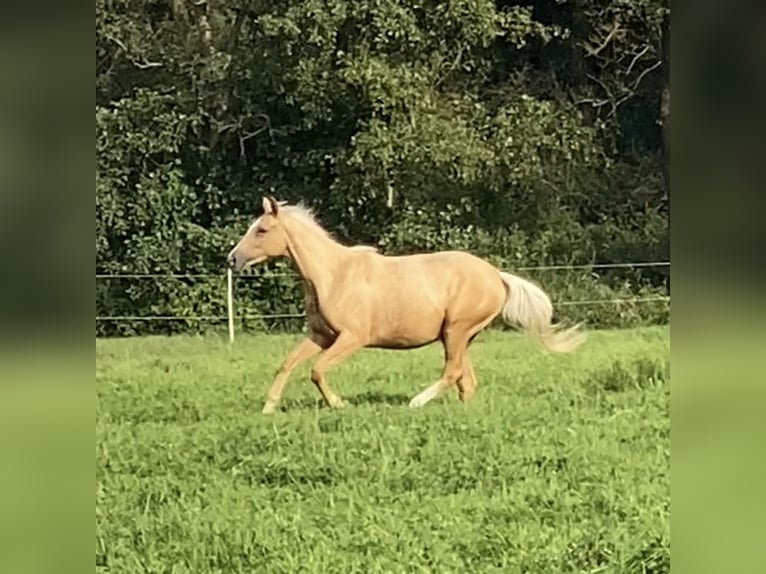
(529, 308)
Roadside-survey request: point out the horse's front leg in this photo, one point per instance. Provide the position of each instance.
(303, 352)
(345, 345)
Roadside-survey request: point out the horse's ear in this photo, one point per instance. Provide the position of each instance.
(270, 205)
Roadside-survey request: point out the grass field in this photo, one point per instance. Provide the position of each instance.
(560, 464)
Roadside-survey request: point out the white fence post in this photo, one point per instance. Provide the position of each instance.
(230, 303)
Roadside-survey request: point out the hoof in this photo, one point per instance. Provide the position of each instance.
(430, 393)
(339, 404)
(269, 408)
(417, 402)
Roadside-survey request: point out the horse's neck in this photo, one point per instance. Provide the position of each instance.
(316, 255)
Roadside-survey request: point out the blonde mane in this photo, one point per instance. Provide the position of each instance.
(306, 216)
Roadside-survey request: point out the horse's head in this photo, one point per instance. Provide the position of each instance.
(264, 239)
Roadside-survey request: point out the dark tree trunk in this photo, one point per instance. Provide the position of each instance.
(579, 67)
(665, 103)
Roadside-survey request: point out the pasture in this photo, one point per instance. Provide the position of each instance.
(559, 464)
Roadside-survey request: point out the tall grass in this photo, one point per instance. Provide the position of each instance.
(560, 464)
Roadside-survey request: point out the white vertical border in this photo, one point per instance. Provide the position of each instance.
(230, 303)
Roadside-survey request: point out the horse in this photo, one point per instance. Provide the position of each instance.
(356, 297)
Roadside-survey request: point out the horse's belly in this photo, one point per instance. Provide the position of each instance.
(403, 342)
(406, 334)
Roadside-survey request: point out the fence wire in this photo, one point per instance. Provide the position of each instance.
(293, 274)
(303, 315)
(241, 318)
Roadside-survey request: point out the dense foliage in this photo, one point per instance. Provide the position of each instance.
(530, 132)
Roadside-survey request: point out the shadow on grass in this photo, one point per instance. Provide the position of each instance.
(366, 398)
(637, 374)
(378, 398)
(304, 404)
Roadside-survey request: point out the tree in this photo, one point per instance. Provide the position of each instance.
(529, 131)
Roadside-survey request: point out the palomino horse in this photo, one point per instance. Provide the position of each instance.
(356, 297)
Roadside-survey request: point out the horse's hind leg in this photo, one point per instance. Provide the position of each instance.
(458, 367)
(466, 385)
(430, 393)
(455, 347)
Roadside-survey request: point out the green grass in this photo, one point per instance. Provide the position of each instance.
(559, 464)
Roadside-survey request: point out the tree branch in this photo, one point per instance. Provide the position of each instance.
(654, 66)
(142, 65)
(596, 51)
(450, 68)
(592, 101)
(145, 65)
(609, 95)
(635, 59)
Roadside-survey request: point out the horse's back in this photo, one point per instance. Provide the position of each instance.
(455, 268)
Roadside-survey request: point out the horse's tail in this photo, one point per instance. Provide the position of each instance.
(528, 307)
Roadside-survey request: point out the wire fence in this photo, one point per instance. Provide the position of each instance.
(246, 317)
(293, 274)
(302, 315)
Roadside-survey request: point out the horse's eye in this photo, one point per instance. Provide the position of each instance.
(260, 231)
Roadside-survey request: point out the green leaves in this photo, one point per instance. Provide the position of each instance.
(517, 25)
